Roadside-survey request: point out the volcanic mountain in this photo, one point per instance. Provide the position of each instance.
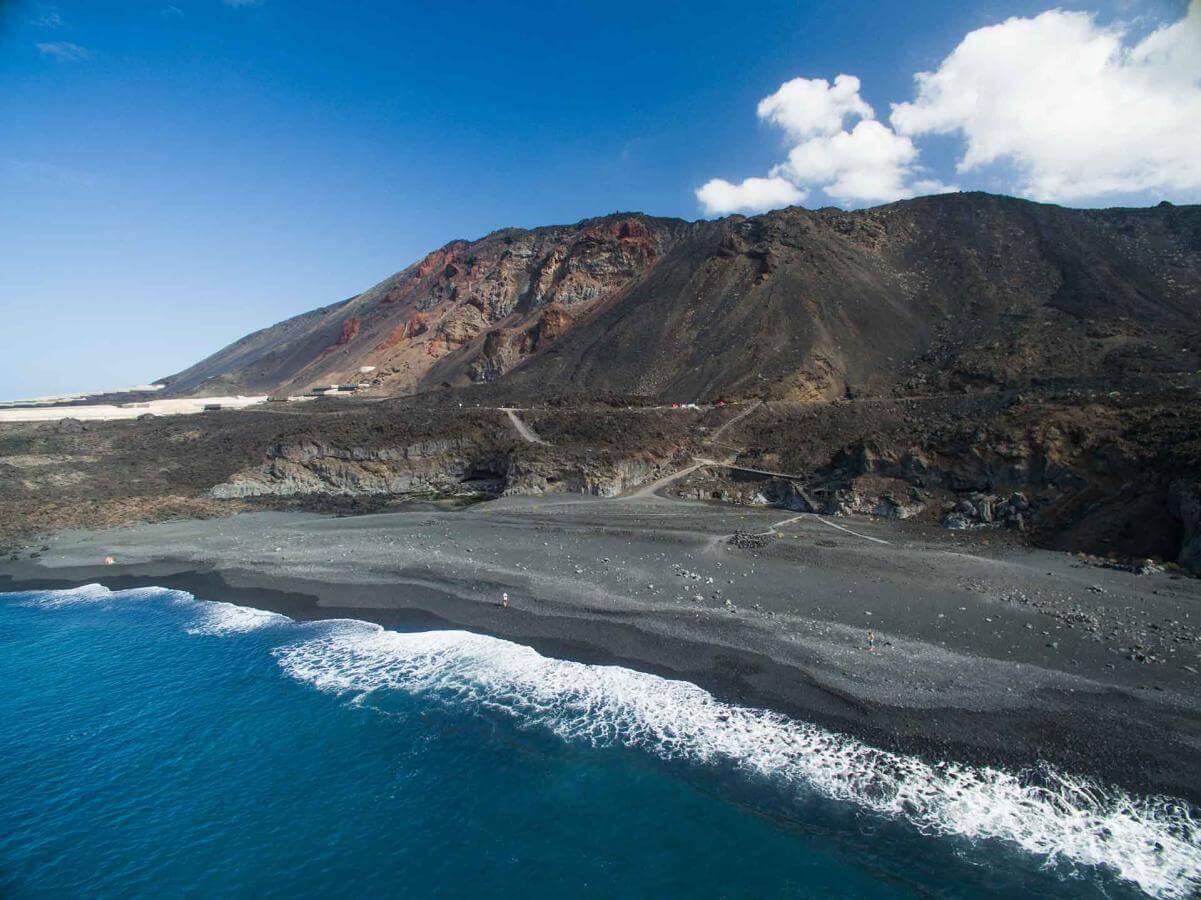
(952, 292)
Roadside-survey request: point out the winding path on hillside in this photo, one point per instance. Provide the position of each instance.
(738, 418)
(722, 465)
(648, 490)
(526, 432)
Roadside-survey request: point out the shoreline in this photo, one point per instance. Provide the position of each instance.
(976, 698)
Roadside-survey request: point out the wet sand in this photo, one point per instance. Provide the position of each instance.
(1011, 657)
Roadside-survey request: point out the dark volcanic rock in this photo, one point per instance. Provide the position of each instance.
(1185, 500)
(949, 293)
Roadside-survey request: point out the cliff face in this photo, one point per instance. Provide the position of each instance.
(617, 450)
(471, 311)
(949, 293)
(443, 468)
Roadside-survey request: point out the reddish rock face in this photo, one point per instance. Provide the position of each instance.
(553, 324)
(530, 285)
(410, 328)
(350, 330)
(617, 229)
(395, 336)
(439, 259)
(632, 228)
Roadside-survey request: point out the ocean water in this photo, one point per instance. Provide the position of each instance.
(153, 744)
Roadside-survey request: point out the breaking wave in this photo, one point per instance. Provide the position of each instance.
(228, 618)
(209, 616)
(99, 594)
(1153, 842)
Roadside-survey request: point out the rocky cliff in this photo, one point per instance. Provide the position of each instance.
(951, 293)
(468, 312)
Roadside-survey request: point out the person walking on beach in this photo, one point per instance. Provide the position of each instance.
(504, 600)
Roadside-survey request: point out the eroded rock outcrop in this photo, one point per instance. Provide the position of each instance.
(438, 466)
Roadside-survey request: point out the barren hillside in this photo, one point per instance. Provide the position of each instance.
(953, 292)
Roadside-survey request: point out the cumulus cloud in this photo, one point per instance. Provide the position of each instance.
(807, 106)
(1078, 109)
(867, 162)
(65, 51)
(1067, 109)
(719, 197)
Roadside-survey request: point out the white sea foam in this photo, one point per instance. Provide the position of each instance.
(87, 593)
(98, 594)
(1153, 842)
(215, 617)
(209, 616)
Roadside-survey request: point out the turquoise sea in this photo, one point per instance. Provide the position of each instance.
(156, 745)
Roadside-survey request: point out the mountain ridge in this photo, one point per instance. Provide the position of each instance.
(793, 303)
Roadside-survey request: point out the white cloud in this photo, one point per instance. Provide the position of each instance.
(805, 107)
(65, 51)
(1078, 109)
(1072, 109)
(719, 197)
(868, 162)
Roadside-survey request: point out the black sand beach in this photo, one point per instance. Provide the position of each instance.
(1010, 658)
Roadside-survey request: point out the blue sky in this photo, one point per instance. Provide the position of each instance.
(176, 174)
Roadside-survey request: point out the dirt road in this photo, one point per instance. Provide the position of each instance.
(523, 429)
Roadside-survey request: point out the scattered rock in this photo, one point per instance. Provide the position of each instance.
(746, 540)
